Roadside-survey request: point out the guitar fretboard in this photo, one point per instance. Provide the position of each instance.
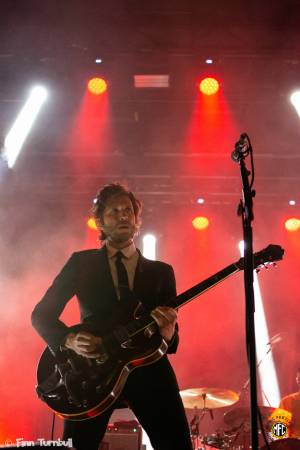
(139, 325)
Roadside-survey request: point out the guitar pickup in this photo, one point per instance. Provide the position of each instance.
(128, 344)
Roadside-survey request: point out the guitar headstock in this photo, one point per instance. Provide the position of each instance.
(268, 255)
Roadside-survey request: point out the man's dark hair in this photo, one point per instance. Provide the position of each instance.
(114, 190)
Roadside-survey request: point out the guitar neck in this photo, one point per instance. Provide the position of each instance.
(185, 297)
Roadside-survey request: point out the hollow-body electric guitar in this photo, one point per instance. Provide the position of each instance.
(77, 388)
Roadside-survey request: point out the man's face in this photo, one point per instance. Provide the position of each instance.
(118, 221)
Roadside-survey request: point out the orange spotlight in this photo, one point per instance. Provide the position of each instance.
(97, 86)
(200, 223)
(209, 86)
(292, 224)
(92, 224)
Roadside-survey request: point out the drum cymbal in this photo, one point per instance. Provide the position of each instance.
(236, 417)
(208, 398)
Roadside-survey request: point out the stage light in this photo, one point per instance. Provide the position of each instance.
(267, 372)
(295, 100)
(151, 81)
(209, 86)
(98, 60)
(292, 202)
(91, 223)
(19, 131)
(200, 201)
(292, 224)
(97, 86)
(149, 246)
(200, 223)
(209, 61)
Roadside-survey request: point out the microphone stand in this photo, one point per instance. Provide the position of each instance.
(245, 210)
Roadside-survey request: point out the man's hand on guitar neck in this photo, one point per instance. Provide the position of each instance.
(84, 344)
(166, 319)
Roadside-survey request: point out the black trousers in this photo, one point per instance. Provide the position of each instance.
(153, 395)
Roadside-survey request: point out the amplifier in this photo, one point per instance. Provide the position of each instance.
(125, 435)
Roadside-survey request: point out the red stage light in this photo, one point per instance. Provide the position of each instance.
(292, 224)
(97, 86)
(200, 223)
(91, 223)
(209, 86)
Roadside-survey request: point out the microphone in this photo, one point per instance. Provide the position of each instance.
(241, 147)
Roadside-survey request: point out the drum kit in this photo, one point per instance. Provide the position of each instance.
(235, 431)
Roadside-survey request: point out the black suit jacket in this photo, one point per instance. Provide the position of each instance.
(87, 276)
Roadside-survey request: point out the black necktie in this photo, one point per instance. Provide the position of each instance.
(123, 284)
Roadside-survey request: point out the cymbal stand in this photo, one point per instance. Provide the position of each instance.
(194, 429)
(195, 425)
(246, 384)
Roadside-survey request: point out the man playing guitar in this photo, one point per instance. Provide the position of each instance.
(108, 282)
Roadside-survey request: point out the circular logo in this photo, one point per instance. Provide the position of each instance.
(279, 430)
